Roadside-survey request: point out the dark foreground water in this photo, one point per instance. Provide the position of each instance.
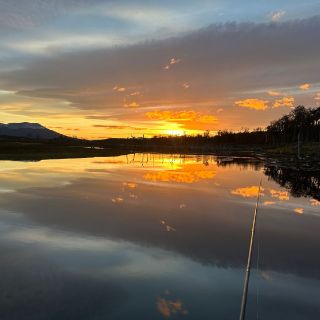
(155, 237)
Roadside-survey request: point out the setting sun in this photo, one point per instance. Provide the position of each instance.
(175, 132)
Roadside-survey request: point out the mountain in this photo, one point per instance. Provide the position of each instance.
(27, 130)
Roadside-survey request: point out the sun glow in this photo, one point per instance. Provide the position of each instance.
(175, 132)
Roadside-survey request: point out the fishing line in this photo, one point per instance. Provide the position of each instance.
(248, 268)
(258, 269)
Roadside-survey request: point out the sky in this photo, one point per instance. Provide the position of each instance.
(101, 68)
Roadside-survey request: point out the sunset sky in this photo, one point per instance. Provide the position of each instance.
(100, 68)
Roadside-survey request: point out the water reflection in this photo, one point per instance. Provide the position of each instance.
(248, 192)
(300, 183)
(170, 308)
(279, 194)
(94, 238)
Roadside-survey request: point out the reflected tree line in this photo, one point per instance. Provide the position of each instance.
(298, 181)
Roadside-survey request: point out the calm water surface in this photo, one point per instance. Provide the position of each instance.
(153, 237)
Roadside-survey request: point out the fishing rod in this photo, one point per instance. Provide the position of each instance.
(248, 268)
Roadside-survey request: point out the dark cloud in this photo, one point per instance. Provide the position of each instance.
(218, 62)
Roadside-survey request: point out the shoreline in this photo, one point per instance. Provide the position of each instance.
(24, 151)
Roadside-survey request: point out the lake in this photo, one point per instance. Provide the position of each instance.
(156, 236)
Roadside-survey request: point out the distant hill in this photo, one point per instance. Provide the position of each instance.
(28, 130)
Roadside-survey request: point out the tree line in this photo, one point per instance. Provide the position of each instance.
(301, 124)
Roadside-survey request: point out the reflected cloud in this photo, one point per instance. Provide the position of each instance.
(117, 200)
(168, 228)
(169, 308)
(84, 209)
(130, 185)
(300, 183)
(266, 275)
(315, 202)
(299, 210)
(281, 195)
(247, 192)
(268, 203)
(180, 176)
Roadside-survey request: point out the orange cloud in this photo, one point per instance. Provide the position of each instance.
(305, 86)
(281, 195)
(119, 89)
(283, 102)
(255, 104)
(317, 97)
(247, 192)
(186, 85)
(172, 61)
(132, 105)
(136, 93)
(274, 93)
(181, 116)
